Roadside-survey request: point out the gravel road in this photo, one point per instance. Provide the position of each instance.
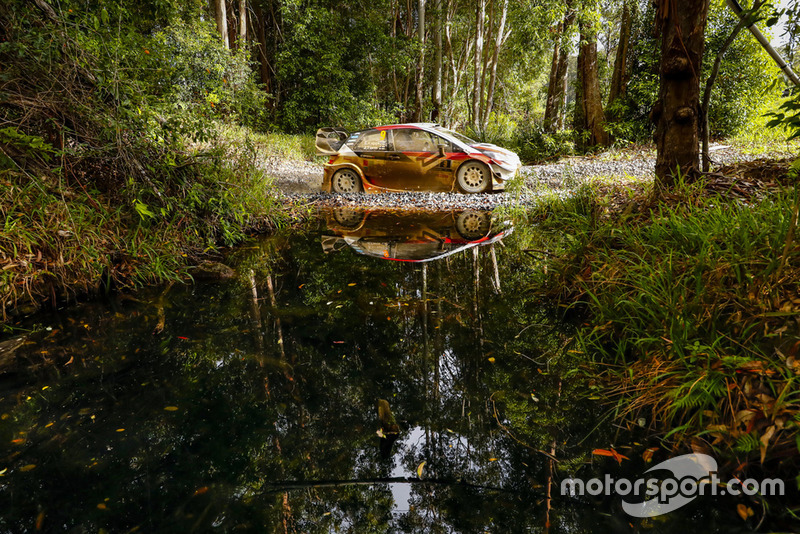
(301, 181)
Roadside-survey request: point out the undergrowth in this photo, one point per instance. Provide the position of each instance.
(116, 155)
(691, 304)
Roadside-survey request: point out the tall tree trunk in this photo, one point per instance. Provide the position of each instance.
(421, 67)
(557, 86)
(619, 75)
(480, 16)
(265, 68)
(677, 111)
(242, 22)
(551, 105)
(222, 20)
(437, 62)
(500, 38)
(589, 107)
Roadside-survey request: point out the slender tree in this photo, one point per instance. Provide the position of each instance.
(242, 22)
(437, 60)
(221, 16)
(589, 106)
(557, 85)
(620, 73)
(421, 66)
(677, 110)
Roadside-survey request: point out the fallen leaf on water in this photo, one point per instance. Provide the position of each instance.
(101, 506)
(351, 284)
(71, 359)
(491, 360)
(612, 453)
(647, 455)
(40, 520)
(17, 441)
(29, 467)
(744, 511)
(492, 459)
(120, 430)
(419, 469)
(183, 338)
(171, 408)
(201, 491)
(3, 472)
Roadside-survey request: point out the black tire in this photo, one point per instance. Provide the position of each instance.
(349, 217)
(346, 181)
(471, 224)
(474, 177)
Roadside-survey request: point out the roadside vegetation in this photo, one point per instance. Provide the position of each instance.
(688, 301)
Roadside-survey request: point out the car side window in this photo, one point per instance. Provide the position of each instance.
(373, 140)
(410, 140)
(437, 141)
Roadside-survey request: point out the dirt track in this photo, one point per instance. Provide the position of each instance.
(302, 180)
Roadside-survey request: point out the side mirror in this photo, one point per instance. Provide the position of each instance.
(441, 150)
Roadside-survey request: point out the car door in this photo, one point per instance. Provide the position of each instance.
(370, 150)
(413, 161)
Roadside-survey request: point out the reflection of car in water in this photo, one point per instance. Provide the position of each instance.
(416, 236)
(412, 157)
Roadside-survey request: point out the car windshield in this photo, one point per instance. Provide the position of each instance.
(463, 138)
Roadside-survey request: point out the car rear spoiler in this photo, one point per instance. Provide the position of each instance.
(330, 140)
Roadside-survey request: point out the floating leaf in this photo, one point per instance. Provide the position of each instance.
(101, 506)
(120, 430)
(491, 359)
(29, 467)
(351, 284)
(171, 408)
(492, 459)
(647, 455)
(419, 469)
(612, 453)
(744, 511)
(201, 491)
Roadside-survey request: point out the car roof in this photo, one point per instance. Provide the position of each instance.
(413, 125)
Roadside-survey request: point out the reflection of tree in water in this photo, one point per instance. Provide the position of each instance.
(284, 435)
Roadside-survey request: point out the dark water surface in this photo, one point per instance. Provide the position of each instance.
(255, 408)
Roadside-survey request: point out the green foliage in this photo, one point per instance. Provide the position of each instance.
(535, 145)
(746, 79)
(747, 76)
(131, 105)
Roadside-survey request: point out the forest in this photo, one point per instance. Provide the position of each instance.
(139, 139)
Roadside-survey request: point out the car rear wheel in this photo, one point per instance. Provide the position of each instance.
(472, 224)
(474, 177)
(346, 181)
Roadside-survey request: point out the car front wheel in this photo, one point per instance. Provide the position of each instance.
(472, 224)
(474, 177)
(346, 181)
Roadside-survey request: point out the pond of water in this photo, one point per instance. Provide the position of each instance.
(373, 371)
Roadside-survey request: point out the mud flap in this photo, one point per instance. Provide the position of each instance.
(330, 140)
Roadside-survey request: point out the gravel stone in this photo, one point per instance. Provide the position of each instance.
(302, 181)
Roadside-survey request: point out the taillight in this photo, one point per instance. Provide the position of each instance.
(330, 161)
